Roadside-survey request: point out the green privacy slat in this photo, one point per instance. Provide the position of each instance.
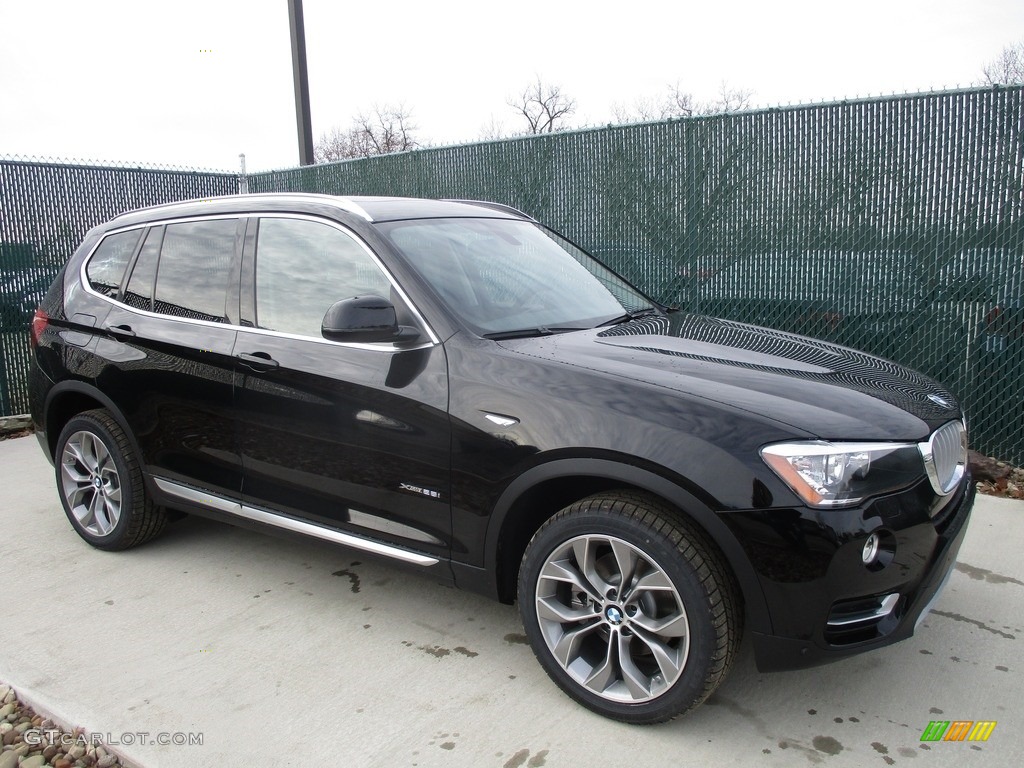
(893, 225)
(45, 210)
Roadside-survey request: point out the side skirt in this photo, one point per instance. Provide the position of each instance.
(228, 507)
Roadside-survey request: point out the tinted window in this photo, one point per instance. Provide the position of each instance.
(139, 292)
(502, 275)
(107, 265)
(195, 262)
(302, 268)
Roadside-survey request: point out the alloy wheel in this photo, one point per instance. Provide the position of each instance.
(90, 483)
(612, 619)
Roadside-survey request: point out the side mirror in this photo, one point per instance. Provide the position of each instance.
(365, 319)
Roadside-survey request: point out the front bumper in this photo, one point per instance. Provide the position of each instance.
(824, 602)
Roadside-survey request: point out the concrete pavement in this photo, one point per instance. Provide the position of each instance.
(282, 653)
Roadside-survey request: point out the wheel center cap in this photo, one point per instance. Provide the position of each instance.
(614, 615)
(97, 483)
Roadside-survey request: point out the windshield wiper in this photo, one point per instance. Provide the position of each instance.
(631, 315)
(525, 333)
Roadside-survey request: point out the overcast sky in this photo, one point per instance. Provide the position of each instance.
(196, 82)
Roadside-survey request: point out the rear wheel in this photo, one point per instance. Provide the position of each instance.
(629, 608)
(101, 486)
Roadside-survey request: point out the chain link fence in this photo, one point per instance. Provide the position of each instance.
(892, 225)
(46, 208)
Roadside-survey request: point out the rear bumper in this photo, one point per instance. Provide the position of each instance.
(824, 629)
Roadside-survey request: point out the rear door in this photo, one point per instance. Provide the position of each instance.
(350, 436)
(166, 353)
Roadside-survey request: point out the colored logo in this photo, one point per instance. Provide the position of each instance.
(958, 730)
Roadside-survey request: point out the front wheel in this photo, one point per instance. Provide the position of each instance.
(629, 608)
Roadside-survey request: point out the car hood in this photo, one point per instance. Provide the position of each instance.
(821, 389)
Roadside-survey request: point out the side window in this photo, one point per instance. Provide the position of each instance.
(302, 268)
(195, 262)
(107, 265)
(139, 291)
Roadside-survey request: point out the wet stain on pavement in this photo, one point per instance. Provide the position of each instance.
(522, 757)
(814, 756)
(879, 748)
(906, 752)
(974, 622)
(352, 577)
(512, 637)
(435, 650)
(746, 713)
(439, 652)
(934, 711)
(1001, 668)
(982, 574)
(827, 744)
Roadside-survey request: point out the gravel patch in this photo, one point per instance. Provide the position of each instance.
(32, 741)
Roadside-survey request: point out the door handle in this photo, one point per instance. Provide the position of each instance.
(259, 361)
(121, 330)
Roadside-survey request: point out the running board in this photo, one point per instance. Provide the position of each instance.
(227, 506)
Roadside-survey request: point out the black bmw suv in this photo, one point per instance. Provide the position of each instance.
(453, 386)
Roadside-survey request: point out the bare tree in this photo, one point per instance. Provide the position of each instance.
(545, 107)
(729, 100)
(493, 131)
(680, 103)
(386, 130)
(1008, 68)
(676, 103)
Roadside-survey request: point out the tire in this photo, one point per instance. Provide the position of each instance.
(644, 655)
(100, 484)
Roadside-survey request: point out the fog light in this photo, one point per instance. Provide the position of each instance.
(870, 551)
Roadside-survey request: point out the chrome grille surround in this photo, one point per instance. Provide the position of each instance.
(945, 457)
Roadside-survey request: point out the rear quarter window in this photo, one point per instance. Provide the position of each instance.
(107, 265)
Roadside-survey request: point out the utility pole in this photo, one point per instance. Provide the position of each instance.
(302, 121)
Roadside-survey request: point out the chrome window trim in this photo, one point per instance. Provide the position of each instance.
(386, 346)
(292, 524)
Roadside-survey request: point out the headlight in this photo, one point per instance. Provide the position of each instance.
(842, 474)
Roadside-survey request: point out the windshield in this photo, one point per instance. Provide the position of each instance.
(500, 276)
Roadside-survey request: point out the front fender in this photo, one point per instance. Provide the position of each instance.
(647, 480)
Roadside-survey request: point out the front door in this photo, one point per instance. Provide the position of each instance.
(350, 436)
